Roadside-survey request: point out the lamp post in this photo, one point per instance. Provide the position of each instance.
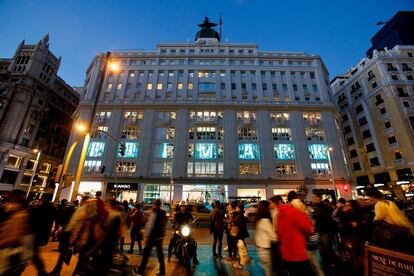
(331, 170)
(113, 67)
(34, 171)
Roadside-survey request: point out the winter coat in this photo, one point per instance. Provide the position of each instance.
(240, 222)
(217, 220)
(293, 228)
(393, 237)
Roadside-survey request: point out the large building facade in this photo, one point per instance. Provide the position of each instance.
(211, 120)
(36, 107)
(376, 103)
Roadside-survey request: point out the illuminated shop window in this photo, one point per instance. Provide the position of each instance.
(131, 150)
(282, 133)
(249, 152)
(284, 151)
(314, 134)
(320, 168)
(163, 150)
(318, 151)
(205, 151)
(285, 169)
(96, 149)
(249, 169)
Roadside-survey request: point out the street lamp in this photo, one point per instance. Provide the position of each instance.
(34, 170)
(331, 170)
(114, 68)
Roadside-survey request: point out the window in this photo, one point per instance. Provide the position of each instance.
(149, 86)
(387, 124)
(131, 117)
(312, 75)
(131, 132)
(161, 168)
(366, 134)
(204, 168)
(205, 133)
(383, 110)
(279, 117)
(406, 104)
(204, 151)
(119, 86)
(180, 86)
(320, 168)
(392, 140)
(347, 129)
(246, 116)
(359, 109)
(109, 87)
(374, 162)
(282, 133)
(353, 153)
(318, 151)
(398, 155)
(350, 141)
(131, 150)
(285, 88)
(249, 152)
(356, 166)
(362, 121)
(314, 134)
(190, 86)
(96, 149)
(92, 166)
(159, 86)
(295, 87)
(285, 169)
(305, 88)
(14, 161)
(315, 88)
(206, 116)
(162, 133)
(394, 77)
(246, 133)
(164, 150)
(312, 118)
(249, 169)
(284, 151)
(370, 147)
(126, 167)
(206, 87)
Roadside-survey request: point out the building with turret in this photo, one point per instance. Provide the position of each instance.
(211, 120)
(36, 106)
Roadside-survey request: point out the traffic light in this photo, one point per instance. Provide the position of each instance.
(103, 168)
(122, 149)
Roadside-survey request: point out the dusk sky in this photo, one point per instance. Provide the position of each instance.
(339, 31)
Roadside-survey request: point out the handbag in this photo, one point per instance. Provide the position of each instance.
(234, 231)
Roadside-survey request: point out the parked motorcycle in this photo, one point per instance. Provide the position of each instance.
(185, 247)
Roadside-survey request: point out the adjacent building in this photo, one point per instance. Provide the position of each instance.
(211, 120)
(36, 106)
(375, 100)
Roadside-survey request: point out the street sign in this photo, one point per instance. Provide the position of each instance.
(379, 261)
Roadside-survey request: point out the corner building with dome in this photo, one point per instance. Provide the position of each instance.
(211, 120)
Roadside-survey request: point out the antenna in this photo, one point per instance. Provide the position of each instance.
(220, 24)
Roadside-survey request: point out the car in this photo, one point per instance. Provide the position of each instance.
(197, 210)
(250, 211)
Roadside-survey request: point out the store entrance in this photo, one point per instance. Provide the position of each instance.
(123, 191)
(205, 193)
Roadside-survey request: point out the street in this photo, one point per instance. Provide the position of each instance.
(207, 265)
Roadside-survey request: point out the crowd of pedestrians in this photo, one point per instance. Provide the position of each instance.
(292, 237)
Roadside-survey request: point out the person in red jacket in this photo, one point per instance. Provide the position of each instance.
(293, 227)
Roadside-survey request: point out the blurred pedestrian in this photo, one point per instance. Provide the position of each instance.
(217, 229)
(392, 229)
(264, 236)
(231, 242)
(275, 202)
(294, 226)
(155, 231)
(239, 231)
(14, 234)
(138, 221)
(125, 211)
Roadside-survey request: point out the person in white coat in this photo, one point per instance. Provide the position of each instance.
(265, 235)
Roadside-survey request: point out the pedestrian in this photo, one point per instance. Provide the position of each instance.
(326, 228)
(14, 234)
(155, 231)
(294, 226)
(240, 233)
(125, 211)
(64, 213)
(217, 229)
(277, 265)
(42, 214)
(138, 221)
(231, 242)
(264, 236)
(392, 229)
